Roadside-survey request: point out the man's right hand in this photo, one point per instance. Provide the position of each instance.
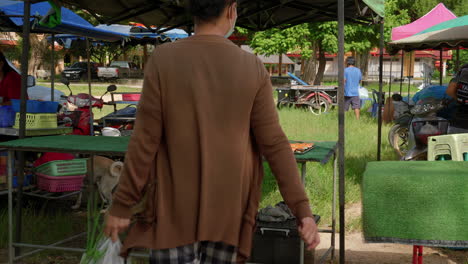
(309, 233)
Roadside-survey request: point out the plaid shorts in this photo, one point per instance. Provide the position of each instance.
(204, 252)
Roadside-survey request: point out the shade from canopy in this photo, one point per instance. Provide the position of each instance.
(437, 15)
(255, 15)
(71, 23)
(449, 34)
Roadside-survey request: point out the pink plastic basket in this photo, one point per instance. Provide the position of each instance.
(59, 184)
(131, 97)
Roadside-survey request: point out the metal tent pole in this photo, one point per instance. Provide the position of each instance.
(52, 70)
(411, 66)
(402, 67)
(22, 126)
(441, 70)
(379, 114)
(341, 128)
(91, 118)
(390, 78)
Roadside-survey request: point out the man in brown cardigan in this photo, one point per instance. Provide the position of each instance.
(205, 119)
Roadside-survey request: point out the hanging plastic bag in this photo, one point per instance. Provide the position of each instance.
(106, 253)
(363, 93)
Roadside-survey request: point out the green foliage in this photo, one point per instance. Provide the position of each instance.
(421, 7)
(275, 41)
(14, 53)
(395, 15)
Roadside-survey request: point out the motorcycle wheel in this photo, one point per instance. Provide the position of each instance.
(280, 105)
(398, 139)
(317, 107)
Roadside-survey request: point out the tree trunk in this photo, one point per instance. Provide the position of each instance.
(322, 63)
(35, 56)
(309, 66)
(362, 62)
(280, 66)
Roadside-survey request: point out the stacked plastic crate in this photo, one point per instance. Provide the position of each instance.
(61, 175)
(39, 114)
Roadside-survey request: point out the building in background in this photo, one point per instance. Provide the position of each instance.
(272, 63)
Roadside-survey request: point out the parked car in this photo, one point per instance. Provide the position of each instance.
(120, 69)
(79, 71)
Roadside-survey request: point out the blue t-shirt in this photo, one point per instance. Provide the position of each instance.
(353, 76)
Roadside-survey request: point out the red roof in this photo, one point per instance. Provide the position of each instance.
(435, 54)
(8, 42)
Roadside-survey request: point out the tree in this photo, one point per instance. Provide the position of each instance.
(421, 7)
(279, 42)
(100, 53)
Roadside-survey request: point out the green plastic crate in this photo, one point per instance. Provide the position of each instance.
(63, 167)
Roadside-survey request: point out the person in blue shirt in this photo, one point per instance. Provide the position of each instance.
(353, 77)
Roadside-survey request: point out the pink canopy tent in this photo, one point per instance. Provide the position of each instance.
(437, 15)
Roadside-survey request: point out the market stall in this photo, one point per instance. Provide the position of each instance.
(321, 152)
(255, 15)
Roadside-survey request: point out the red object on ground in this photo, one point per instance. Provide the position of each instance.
(417, 255)
(52, 156)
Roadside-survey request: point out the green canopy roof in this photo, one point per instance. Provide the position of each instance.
(377, 5)
(254, 15)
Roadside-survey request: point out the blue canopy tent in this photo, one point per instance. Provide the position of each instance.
(136, 35)
(24, 17)
(11, 19)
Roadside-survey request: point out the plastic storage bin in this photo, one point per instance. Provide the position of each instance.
(63, 167)
(448, 147)
(38, 121)
(37, 107)
(59, 184)
(7, 116)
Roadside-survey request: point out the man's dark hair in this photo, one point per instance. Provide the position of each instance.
(351, 61)
(208, 10)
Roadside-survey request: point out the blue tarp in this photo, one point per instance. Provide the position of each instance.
(137, 35)
(71, 22)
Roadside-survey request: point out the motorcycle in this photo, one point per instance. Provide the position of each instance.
(410, 134)
(121, 122)
(76, 112)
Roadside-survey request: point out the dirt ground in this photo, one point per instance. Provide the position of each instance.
(359, 252)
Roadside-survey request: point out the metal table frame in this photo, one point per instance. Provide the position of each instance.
(331, 250)
(54, 246)
(9, 131)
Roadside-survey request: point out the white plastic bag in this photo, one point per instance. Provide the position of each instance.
(363, 93)
(110, 252)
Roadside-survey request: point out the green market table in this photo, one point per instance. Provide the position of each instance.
(117, 146)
